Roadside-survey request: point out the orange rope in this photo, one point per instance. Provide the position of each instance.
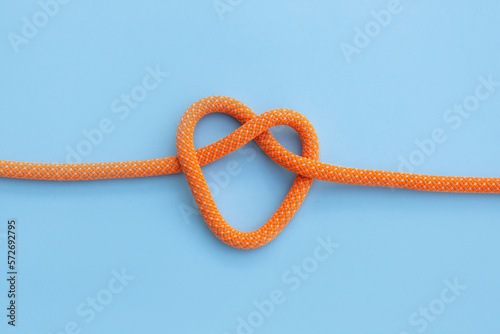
(189, 161)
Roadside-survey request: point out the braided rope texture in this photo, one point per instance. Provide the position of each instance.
(254, 127)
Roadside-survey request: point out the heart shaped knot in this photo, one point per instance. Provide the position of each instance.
(253, 127)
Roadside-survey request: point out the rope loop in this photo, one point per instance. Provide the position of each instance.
(254, 127)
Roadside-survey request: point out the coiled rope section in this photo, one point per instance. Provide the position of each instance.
(254, 127)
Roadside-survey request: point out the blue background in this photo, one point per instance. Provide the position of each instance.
(397, 247)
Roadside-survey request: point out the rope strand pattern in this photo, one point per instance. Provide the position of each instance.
(254, 127)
